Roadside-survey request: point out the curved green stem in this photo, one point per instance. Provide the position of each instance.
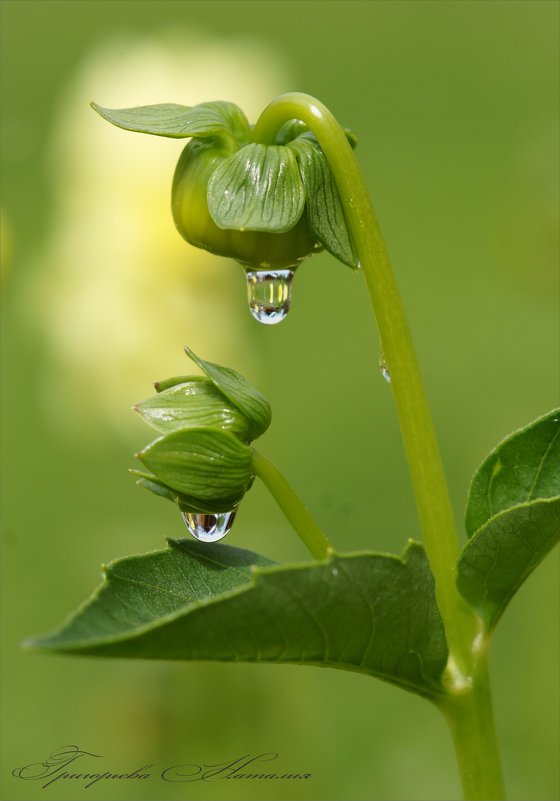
(291, 505)
(471, 717)
(428, 478)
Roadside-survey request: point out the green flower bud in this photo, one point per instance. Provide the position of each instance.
(253, 249)
(267, 206)
(203, 461)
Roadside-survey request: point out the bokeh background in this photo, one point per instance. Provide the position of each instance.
(456, 108)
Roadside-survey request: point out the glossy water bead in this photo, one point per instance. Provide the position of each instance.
(270, 294)
(208, 527)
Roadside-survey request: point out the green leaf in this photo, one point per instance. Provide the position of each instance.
(366, 612)
(194, 403)
(324, 209)
(218, 118)
(504, 552)
(257, 189)
(513, 516)
(240, 392)
(211, 467)
(524, 467)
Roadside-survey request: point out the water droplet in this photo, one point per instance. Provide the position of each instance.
(270, 294)
(208, 527)
(384, 370)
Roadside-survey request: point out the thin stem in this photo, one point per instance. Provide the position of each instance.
(428, 478)
(312, 536)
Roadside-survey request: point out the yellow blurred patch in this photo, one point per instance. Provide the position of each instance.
(115, 290)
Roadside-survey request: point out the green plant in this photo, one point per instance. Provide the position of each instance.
(268, 196)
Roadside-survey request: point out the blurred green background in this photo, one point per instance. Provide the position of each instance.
(455, 105)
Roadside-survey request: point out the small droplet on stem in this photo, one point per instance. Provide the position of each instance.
(270, 294)
(383, 369)
(208, 527)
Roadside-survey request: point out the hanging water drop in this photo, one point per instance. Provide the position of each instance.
(208, 527)
(270, 294)
(384, 370)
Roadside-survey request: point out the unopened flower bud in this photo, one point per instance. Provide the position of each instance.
(202, 460)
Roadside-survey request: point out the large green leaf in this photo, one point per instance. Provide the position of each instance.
(210, 466)
(524, 467)
(365, 612)
(240, 392)
(513, 516)
(499, 557)
(218, 118)
(257, 189)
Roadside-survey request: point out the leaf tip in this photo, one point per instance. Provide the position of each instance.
(97, 108)
(413, 549)
(30, 644)
(42, 642)
(191, 354)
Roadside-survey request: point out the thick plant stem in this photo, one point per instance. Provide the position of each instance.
(462, 626)
(312, 536)
(471, 722)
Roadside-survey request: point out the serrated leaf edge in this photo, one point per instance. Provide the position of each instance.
(256, 571)
(431, 689)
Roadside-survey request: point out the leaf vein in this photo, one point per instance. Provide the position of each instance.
(371, 610)
(303, 606)
(541, 463)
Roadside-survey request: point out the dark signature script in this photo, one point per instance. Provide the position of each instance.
(60, 765)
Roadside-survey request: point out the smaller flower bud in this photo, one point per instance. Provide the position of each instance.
(203, 461)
